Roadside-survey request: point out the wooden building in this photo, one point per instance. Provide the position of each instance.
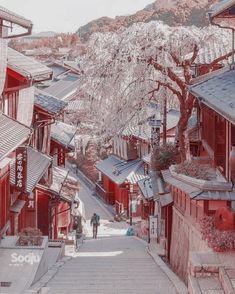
(213, 195)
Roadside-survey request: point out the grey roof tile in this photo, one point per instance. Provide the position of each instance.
(119, 170)
(12, 135)
(146, 188)
(63, 89)
(28, 67)
(14, 18)
(196, 193)
(220, 7)
(60, 185)
(217, 93)
(63, 133)
(48, 102)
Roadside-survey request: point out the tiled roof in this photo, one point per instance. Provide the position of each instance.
(208, 54)
(73, 65)
(147, 158)
(48, 102)
(220, 7)
(63, 89)
(75, 105)
(37, 165)
(146, 188)
(196, 193)
(63, 134)
(14, 18)
(217, 93)
(57, 69)
(12, 135)
(26, 66)
(59, 176)
(60, 185)
(119, 170)
(143, 130)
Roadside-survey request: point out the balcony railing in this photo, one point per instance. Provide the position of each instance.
(108, 197)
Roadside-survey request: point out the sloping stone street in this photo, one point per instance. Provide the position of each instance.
(112, 264)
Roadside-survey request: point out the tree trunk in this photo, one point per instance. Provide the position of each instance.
(182, 129)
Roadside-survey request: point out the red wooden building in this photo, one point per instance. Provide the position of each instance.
(214, 195)
(130, 164)
(57, 193)
(27, 172)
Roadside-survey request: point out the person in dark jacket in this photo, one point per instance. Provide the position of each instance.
(95, 222)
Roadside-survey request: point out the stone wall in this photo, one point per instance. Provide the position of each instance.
(185, 238)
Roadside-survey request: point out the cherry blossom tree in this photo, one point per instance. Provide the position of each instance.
(124, 70)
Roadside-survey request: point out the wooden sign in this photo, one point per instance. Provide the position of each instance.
(21, 169)
(61, 157)
(153, 223)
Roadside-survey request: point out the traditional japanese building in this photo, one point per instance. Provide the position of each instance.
(210, 191)
(27, 165)
(130, 163)
(57, 193)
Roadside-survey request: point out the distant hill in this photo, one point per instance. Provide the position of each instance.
(172, 12)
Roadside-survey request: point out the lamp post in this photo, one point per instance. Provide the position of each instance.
(131, 190)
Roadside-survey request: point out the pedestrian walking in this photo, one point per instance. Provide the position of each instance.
(95, 222)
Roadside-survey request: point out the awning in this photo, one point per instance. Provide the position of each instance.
(63, 134)
(17, 206)
(12, 135)
(147, 158)
(166, 199)
(27, 67)
(37, 166)
(146, 189)
(119, 170)
(64, 186)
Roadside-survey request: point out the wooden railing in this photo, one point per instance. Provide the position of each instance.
(107, 196)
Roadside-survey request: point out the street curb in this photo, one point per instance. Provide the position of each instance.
(178, 284)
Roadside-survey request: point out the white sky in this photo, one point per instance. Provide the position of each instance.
(69, 15)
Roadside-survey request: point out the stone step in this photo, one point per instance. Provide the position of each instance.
(205, 285)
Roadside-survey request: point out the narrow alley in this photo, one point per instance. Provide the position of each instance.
(112, 264)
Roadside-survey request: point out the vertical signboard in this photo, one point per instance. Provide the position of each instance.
(153, 226)
(21, 169)
(61, 157)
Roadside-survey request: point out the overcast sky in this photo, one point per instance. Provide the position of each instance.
(69, 15)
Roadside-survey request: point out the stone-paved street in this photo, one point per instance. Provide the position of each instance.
(112, 264)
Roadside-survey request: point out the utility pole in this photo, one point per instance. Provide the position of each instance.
(164, 121)
(155, 125)
(131, 190)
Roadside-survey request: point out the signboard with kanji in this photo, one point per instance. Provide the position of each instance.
(61, 157)
(21, 169)
(153, 226)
